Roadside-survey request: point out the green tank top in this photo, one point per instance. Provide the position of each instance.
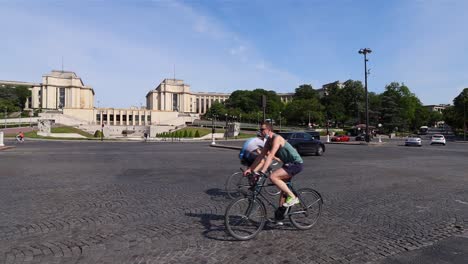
(287, 153)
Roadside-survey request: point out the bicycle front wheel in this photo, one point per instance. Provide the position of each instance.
(270, 188)
(237, 185)
(305, 214)
(245, 218)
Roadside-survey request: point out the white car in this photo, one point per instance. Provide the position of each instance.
(438, 139)
(413, 141)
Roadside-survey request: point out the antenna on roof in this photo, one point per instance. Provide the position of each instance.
(174, 72)
(62, 63)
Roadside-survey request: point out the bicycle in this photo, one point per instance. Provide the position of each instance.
(238, 185)
(246, 216)
(19, 139)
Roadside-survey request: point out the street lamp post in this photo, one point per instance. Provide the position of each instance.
(326, 114)
(258, 119)
(380, 134)
(280, 120)
(365, 51)
(226, 130)
(212, 131)
(464, 117)
(5, 115)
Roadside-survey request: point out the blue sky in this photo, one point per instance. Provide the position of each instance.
(123, 49)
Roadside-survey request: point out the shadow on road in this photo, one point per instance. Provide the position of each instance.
(218, 194)
(214, 226)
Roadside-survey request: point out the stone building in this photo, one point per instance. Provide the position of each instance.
(63, 96)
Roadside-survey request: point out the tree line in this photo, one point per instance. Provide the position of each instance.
(338, 105)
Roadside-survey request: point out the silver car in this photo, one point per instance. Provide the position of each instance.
(438, 139)
(413, 140)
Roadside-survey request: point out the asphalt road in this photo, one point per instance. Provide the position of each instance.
(112, 202)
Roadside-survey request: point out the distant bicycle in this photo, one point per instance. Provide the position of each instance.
(246, 216)
(19, 139)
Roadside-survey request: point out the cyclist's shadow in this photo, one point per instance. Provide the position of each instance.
(214, 226)
(217, 194)
(213, 223)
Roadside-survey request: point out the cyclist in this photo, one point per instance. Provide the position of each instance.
(20, 136)
(251, 149)
(277, 146)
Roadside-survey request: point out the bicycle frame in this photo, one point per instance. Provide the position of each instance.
(257, 192)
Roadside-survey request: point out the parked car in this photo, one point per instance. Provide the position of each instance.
(304, 143)
(438, 139)
(413, 140)
(340, 138)
(362, 137)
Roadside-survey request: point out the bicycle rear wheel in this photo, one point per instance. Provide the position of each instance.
(305, 214)
(244, 218)
(237, 185)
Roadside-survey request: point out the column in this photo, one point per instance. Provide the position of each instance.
(115, 118)
(199, 105)
(126, 117)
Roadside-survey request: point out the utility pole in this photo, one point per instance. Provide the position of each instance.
(280, 120)
(226, 132)
(264, 102)
(464, 117)
(365, 51)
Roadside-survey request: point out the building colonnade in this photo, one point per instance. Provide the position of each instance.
(123, 117)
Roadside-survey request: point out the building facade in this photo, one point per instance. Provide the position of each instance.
(171, 102)
(437, 108)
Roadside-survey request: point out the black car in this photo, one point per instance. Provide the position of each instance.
(304, 143)
(362, 137)
(314, 134)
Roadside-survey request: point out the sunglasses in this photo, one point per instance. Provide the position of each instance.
(262, 129)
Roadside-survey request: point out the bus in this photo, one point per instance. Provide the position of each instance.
(423, 130)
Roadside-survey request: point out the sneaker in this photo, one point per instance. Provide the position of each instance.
(291, 201)
(276, 222)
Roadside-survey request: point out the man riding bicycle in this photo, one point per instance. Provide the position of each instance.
(20, 136)
(277, 146)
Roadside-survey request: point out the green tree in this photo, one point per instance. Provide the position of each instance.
(185, 134)
(197, 134)
(216, 109)
(305, 91)
(454, 116)
(400, 107)
(297, 112)
(14, 97)
(353, 95)
(334, 104)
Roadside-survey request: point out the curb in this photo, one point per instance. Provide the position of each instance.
(6, 147)
(225, 146)
(356, 143)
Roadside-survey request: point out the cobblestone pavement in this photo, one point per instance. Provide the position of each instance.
(92, 202)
